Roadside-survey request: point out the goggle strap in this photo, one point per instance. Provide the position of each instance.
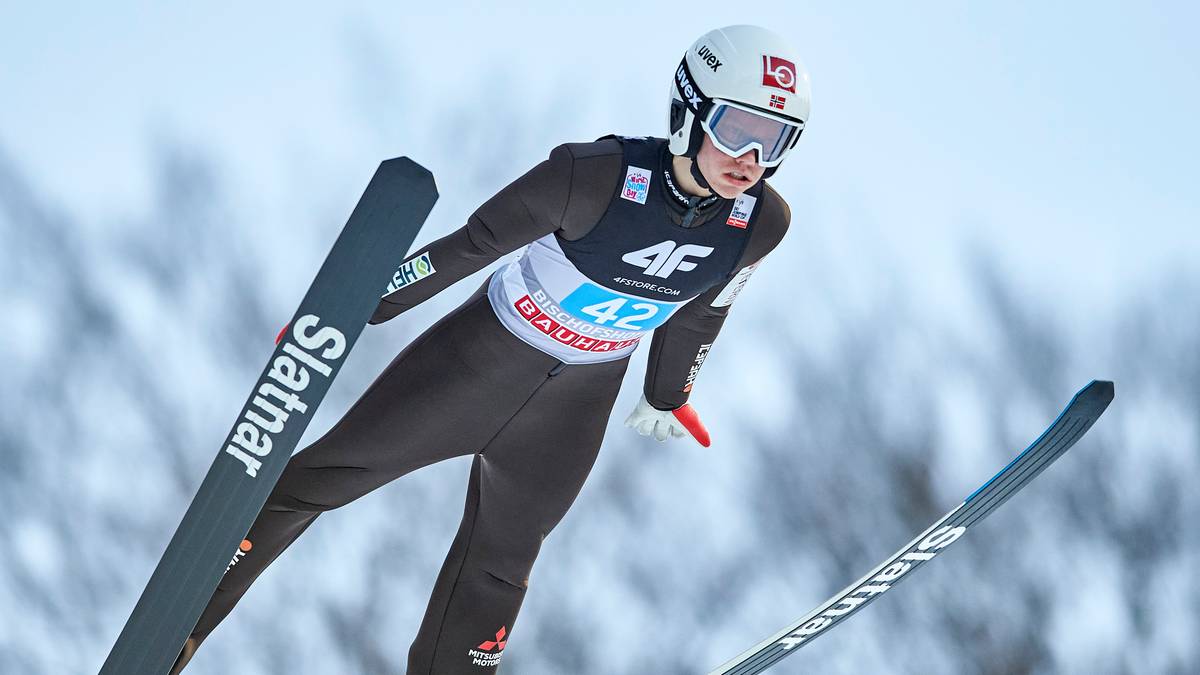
(683, 76)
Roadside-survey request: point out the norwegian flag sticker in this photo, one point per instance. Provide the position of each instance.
(779, 73)
(777, 101)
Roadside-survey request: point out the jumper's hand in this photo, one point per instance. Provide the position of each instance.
(662, 424)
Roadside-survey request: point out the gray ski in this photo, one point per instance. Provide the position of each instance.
(1079, 416)
(307, 357)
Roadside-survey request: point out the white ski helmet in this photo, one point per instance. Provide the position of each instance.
(746, 88)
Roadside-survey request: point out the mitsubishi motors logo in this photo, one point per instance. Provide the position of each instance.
(488, 652)
(663, 258)
(498, 643)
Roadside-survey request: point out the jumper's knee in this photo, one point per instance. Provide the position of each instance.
(319, 489)
(519, 582)
(508, 559)
(287, 502)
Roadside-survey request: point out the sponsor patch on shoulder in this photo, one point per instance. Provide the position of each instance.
(637, 184)
(743, 206)
(411, 272)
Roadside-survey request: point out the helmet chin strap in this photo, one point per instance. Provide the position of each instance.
(699, 177)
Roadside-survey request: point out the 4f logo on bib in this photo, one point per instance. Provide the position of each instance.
(662, 259)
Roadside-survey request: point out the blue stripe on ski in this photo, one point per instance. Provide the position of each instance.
(1070, 408)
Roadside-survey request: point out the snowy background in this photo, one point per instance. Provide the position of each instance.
(992, 205)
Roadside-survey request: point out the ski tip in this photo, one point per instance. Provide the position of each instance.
(405, 165)
(1098, 392)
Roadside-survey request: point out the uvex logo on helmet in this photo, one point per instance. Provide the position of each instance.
(685, 87)
(779, 73)
(710, 59)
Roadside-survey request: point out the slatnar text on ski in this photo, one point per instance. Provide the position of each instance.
(287, 376)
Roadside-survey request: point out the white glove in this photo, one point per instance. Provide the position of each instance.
(663, 424)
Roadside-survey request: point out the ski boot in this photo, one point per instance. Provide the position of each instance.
(185, 655)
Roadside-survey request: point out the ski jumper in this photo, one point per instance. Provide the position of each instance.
(524, 374)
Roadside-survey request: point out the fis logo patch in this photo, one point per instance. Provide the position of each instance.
(743, 206)
(637, 185)
(411, 272)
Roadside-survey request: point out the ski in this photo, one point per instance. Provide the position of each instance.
(307, 357)
(1079, 416)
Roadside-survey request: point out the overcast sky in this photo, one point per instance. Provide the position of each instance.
(1059, 136)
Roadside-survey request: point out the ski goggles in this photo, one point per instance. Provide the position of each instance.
(735, 128)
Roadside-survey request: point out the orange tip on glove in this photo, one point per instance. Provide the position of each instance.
(690, 420)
